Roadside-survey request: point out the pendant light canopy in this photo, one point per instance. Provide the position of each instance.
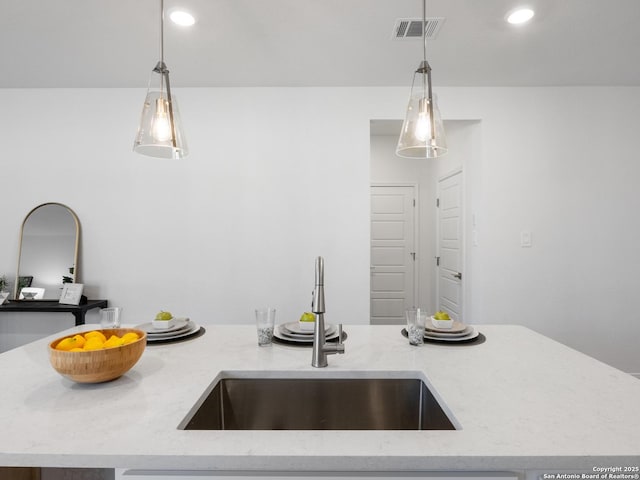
(160, 130)
(422, 134)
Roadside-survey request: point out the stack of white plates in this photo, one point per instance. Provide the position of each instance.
(292, 333)
(183, 327)
(459, 332)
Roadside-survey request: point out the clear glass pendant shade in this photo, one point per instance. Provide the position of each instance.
(422, 134)
(160, 129)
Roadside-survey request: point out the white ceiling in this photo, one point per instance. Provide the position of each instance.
(115, 43)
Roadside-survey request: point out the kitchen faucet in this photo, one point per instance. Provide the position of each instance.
(320, 347)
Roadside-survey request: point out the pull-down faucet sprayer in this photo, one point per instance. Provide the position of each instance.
(320, 348)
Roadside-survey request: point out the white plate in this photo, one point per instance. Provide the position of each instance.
(149, 328)
(331, 330)
(439, 335)
(194, 327)
(288, 338)
(293, 327)
(160, 335)
(456, 328)
(470, 336)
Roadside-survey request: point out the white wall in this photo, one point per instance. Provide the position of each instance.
(278, 176)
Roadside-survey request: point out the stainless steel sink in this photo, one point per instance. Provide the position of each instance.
(318, 404)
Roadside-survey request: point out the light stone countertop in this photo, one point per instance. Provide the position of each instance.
(522, 400)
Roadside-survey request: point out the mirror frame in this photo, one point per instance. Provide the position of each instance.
(16, 293)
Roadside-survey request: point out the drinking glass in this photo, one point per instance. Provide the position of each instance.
(416, 321)
(265, 321)
(110, 317)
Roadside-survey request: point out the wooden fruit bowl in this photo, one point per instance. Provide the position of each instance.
(95, 366)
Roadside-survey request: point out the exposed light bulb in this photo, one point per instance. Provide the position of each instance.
(161, 128)
(423, 124)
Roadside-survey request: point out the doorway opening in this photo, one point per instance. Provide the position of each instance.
(433, 283)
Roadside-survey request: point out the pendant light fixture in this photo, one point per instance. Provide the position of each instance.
(422, 134)
(160, 130)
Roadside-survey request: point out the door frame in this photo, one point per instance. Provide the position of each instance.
(463, 253)
(416, 235)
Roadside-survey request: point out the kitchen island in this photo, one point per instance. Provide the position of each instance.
(521, 402)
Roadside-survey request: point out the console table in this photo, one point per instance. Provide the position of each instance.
(52, 306)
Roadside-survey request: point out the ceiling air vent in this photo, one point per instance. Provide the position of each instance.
(411, 28)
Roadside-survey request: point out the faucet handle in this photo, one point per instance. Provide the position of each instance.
(339, 334)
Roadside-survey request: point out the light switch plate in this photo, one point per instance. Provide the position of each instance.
(525, 239)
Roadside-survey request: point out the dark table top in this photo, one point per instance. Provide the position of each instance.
(49, 306)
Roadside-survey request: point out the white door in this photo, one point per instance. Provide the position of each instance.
(450, 243)
(393, 243)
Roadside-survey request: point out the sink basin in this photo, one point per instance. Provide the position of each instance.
(318, 404)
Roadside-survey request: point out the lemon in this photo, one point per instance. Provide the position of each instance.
(66, 344)
(129, 337)
(94, 343)
(95, 334)
(441, 315)
(80, 340)
(114, 341)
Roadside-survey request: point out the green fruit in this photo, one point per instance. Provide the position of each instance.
(162, 315)
(308, 317)
(442, 316)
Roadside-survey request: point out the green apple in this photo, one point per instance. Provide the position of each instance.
(162, 315)
(308, 317)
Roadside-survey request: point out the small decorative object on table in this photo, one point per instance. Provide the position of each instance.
(163, 320)
(71, 293)
(442, 320)
(4, 289)
(32, 293)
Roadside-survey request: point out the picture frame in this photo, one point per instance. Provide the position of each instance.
(31, 293)
(71, 293)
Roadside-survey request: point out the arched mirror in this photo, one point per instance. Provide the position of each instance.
(48, 254)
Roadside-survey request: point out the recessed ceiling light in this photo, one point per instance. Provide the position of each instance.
(520, 15)
(180, 17)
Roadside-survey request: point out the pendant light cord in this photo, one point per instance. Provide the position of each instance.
(424, 30)
(163, 66)
(425, 83)
(426, 76)
(164, 81)
(162, 30)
